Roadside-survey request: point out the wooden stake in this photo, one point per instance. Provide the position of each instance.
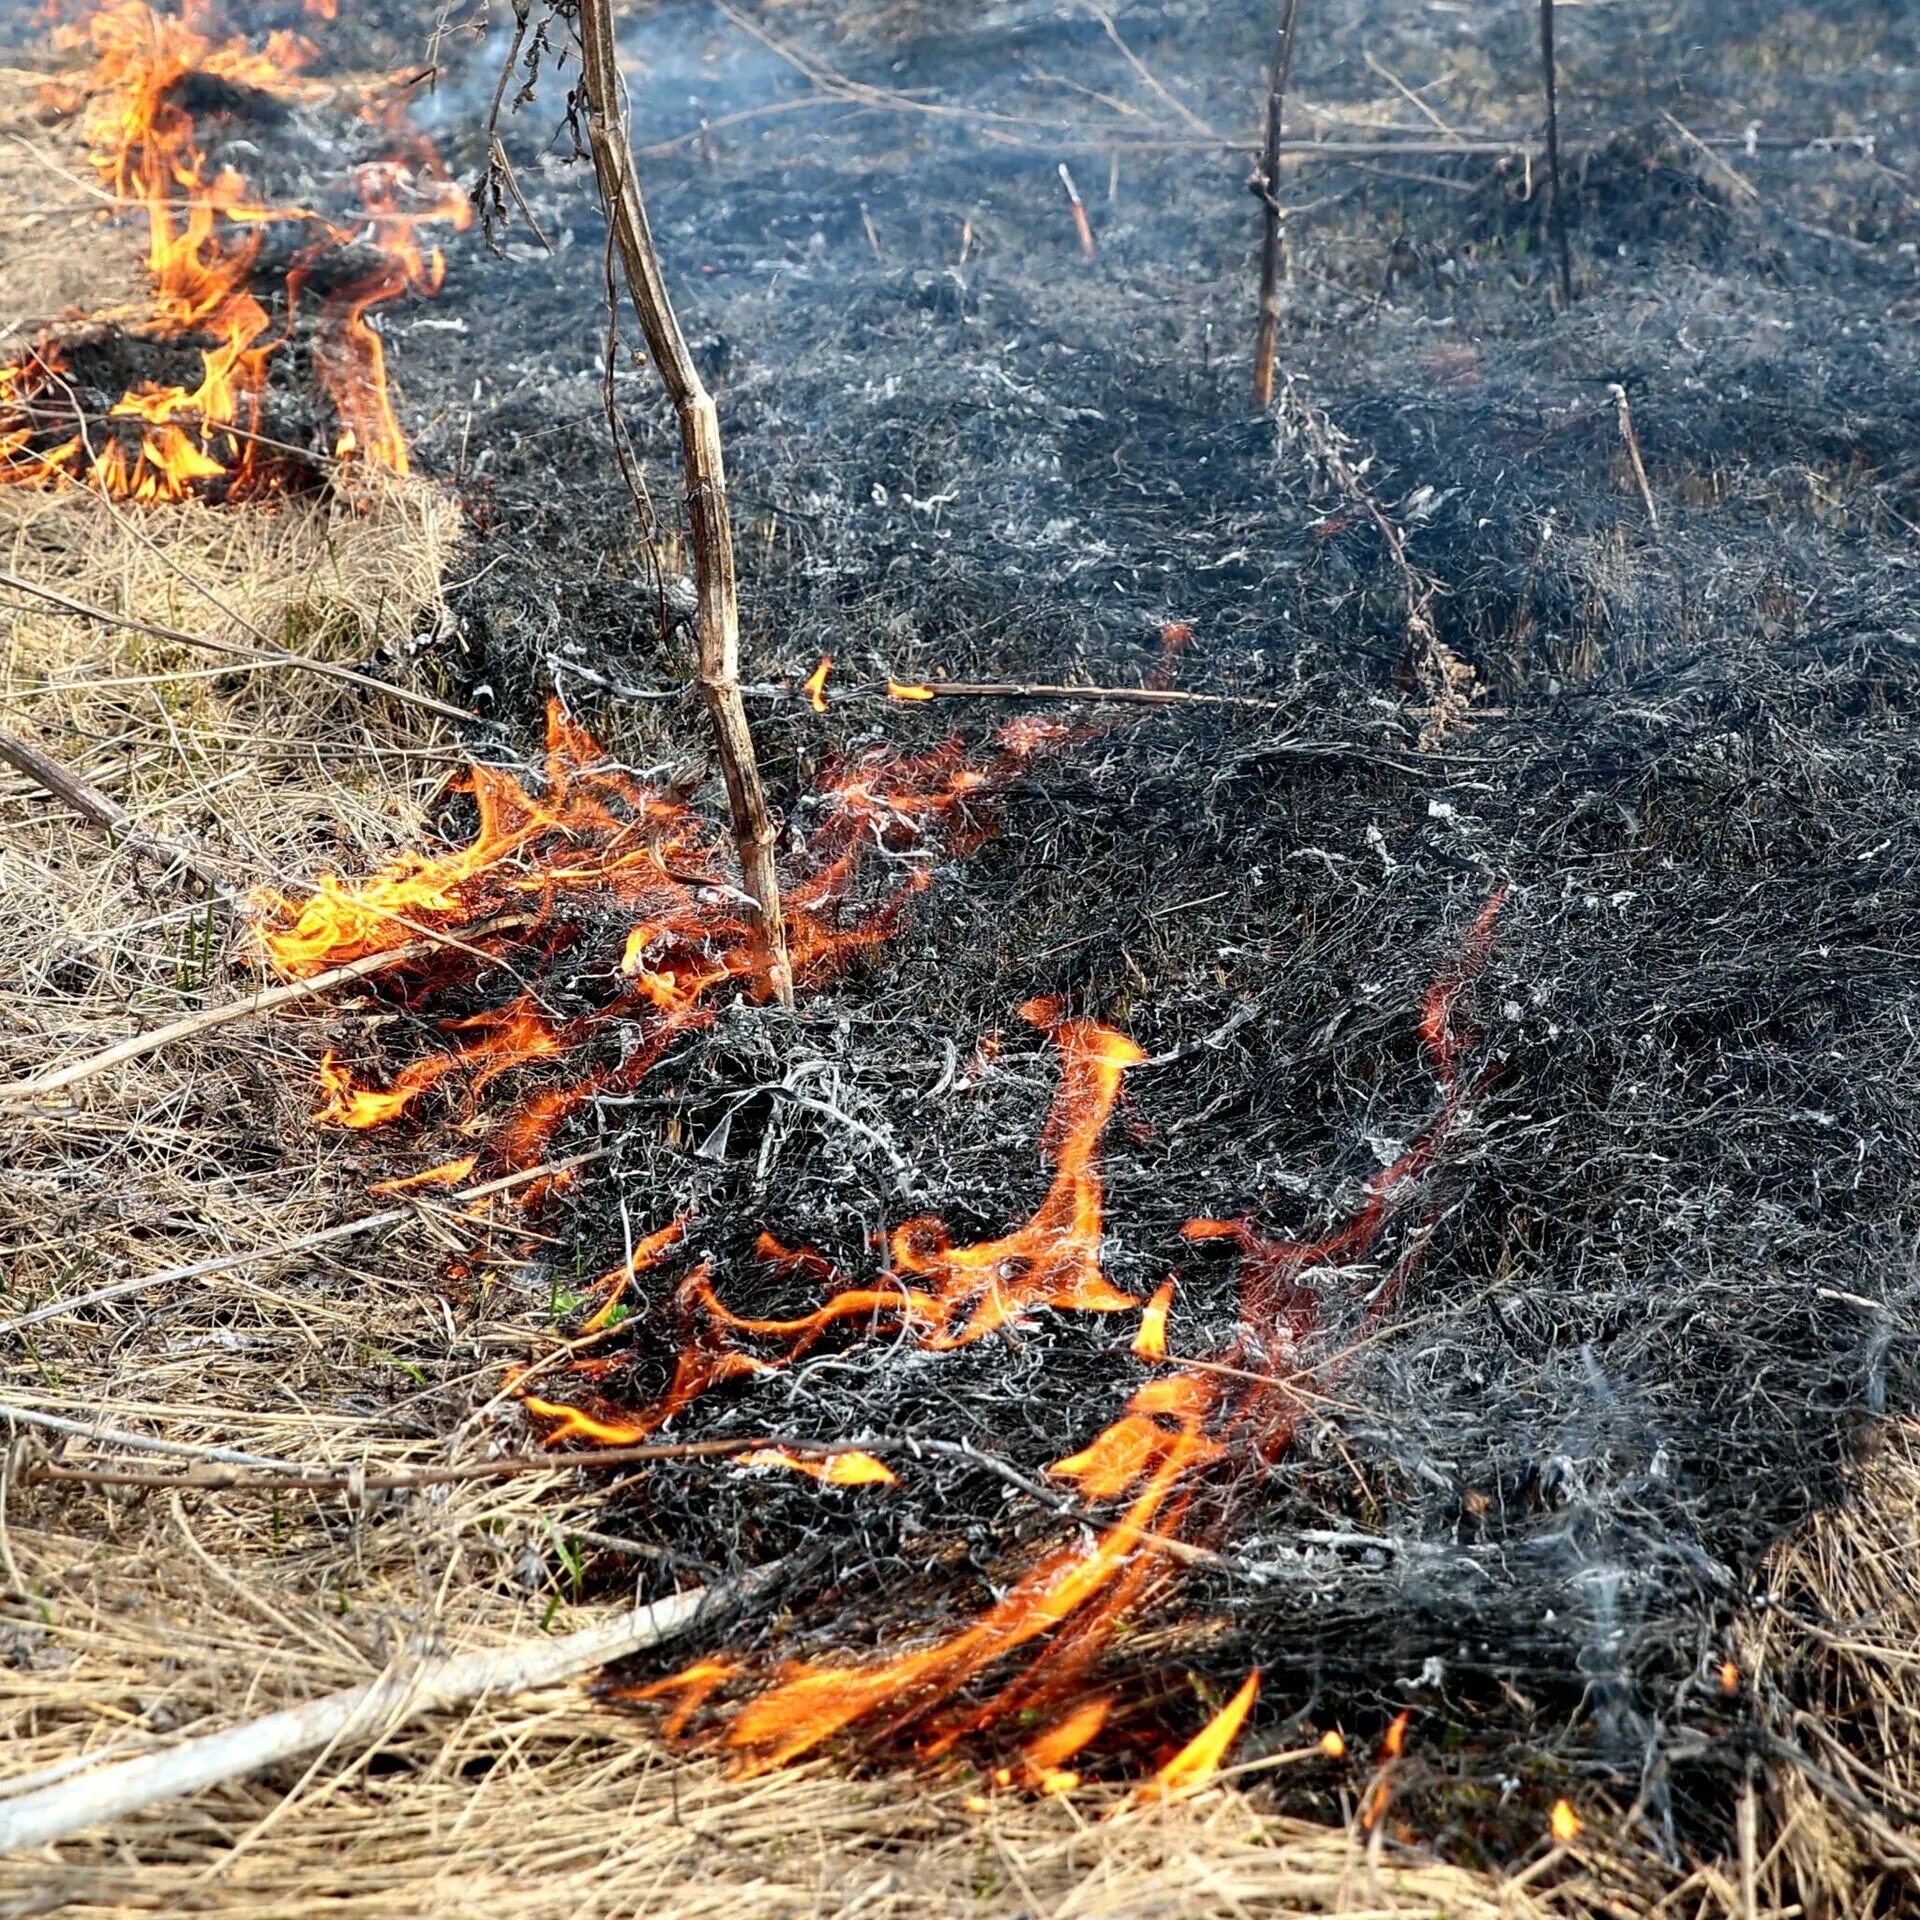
(704, 468)
(1559, 211)
(360, 1714)
(1273, 218)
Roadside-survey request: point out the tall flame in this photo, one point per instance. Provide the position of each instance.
(205, 228)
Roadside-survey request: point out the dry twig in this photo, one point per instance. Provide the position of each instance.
(1273, 215)
(85, 799)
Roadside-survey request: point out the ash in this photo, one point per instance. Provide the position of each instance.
(1667, 1276)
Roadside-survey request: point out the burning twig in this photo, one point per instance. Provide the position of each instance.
(706, 484)
(254, 656)
(367, 1712)
(1559, 209)
(1266, 184)
(85, 799)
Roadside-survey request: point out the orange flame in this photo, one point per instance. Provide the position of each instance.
(597, 842)
(815, 684)
(1150, 1343)
(1567, 1825)
(1199, 1760)
(205, 227)
(848, 1468)
(909, 690)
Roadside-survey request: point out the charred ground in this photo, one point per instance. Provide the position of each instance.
(1670, 1273)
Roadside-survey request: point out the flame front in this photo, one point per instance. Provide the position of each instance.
(205, 228)
(597, 863)
(595, 847)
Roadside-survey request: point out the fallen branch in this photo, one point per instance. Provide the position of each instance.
(509, 1467)
(363, 1713)
(704, 467)
(264, 1001)
(255, 656)
(286, 1249)
(81, 796)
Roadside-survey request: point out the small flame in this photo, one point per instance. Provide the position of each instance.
(1729, 1678)
(1199, 1760)
(1333, 1743)
(1044, 1760)
(850, 1468)
(815, 684)
(449, 1173)
(1150, 1343)
(1394, 1744)
(1565, 1823)
(909, 690)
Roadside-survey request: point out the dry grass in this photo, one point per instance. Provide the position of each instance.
(1836, 1654)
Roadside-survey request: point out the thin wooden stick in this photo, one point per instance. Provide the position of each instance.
(704, 468)
(1559, 210)
(511, 1467)
(286, 1249)
(1041, 690)
(85, 799)
(255, 656)
(365, 1713)
(208, 1018)
(1273, 215)
(229, 1457)
(1624, 413)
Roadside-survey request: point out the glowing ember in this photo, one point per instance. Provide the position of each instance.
(1565, 1823)
(1333, 1743)
(1729, 1678)
(205, 228)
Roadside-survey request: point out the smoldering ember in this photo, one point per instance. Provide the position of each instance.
(959, 959)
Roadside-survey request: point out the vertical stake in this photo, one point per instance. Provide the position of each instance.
(1559, 210)
(704, 468)
(1273, 230)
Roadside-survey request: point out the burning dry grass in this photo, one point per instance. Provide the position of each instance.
(135, 1619)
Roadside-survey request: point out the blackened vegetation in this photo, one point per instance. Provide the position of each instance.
(1669, 1266)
